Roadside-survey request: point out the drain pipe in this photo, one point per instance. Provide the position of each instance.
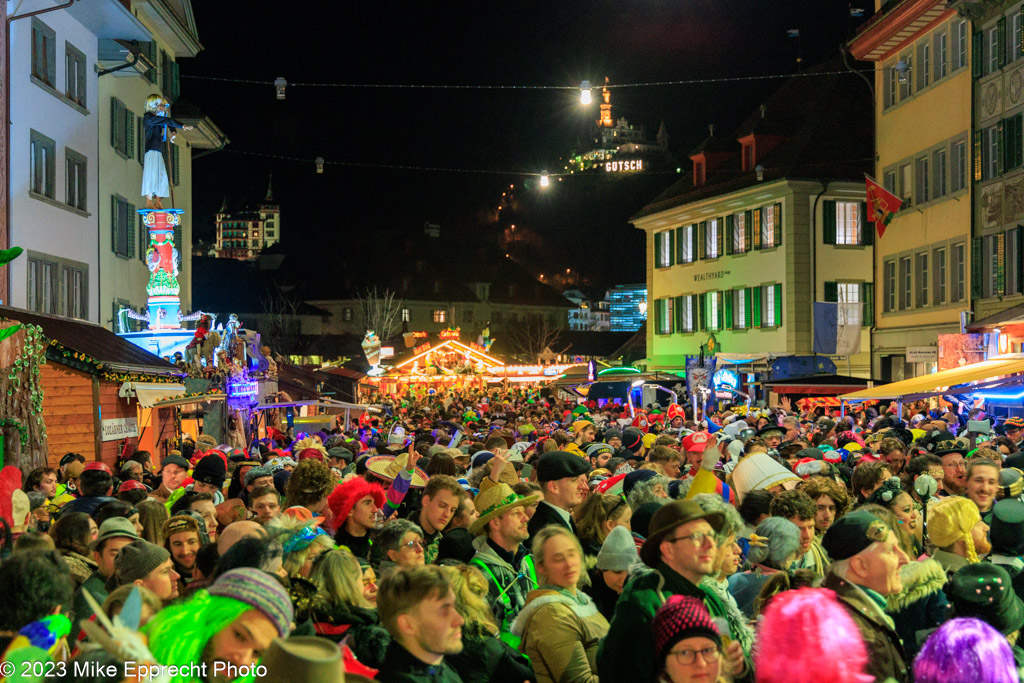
(814, 257)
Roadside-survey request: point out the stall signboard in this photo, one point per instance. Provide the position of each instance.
(922, 354)
(119, 428)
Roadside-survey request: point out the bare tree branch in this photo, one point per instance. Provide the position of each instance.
(530, 337)
(282, 328)
(379, 311)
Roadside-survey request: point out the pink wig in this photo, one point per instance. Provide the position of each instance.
(965, 650)
(792, 640)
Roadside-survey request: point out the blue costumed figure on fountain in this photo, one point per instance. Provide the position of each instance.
(159, 129)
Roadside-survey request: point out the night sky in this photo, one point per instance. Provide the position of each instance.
(579, 223)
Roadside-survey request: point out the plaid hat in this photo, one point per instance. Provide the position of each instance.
(260, 591)
(257, 472)
(137, 559)
(852, 533)
(681, 617)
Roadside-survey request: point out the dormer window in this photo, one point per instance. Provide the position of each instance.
(748, 156)
(698, 173)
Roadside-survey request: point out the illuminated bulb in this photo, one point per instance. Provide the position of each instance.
(279, 85)
(585, 92)
(319, 164)
(544, 179)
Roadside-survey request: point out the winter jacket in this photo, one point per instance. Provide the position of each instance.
(560, 636)
(81, 567)
(401, 667)
(95, 585)
(546, 515)
(886, 658)
(487, 658)
(627, 652)
(603, 596)
(505, 602)
(86, 504)
(336, 621)
(921, 605)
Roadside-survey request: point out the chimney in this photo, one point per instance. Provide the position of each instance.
(711, 130)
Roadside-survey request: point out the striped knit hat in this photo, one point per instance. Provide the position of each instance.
(260, 591)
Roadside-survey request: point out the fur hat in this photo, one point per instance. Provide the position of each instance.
(783, 540)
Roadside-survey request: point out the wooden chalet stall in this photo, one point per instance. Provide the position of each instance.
(84, 408)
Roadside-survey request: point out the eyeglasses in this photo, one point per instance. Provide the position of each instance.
(698, 537)
(412, 545)
(684, 657)
(959, 465)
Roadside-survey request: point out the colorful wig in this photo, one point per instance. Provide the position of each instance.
(178, 634)
(792, 637)
(347, 494)
(965, 649)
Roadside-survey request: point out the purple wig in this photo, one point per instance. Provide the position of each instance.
(965, 649)
(793, 637)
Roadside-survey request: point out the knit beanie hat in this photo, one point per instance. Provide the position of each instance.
(260, 591)
(211, 470)
(1007, 528)
(641, 520)
(632, 439)
(618, 552)
(681, 617)
(950, 520)
(783, 540)
(137, 559)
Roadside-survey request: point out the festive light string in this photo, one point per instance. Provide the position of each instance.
(610, 86)
(479, 171)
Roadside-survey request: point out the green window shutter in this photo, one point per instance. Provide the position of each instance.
(701, 237)
(977, 64)
(976, 267)
(659, 313)
(1001, 263)
(175, 81)
(719, 236)
(693, 243)
(977, 160)
(748, 306)
(777, 208)
(828, 220)
(867, 295)
(778, 305)
(176, 157)
(755, 299)
(671, 260)
(130, 231)
(677, 314)
(1001, 38)
(113, 122)
(140, 138)
(747, 239)
(729, 227)
(129, 131)
(678, 256)
(727, 297)
(699, 314)
(831, 292)
(755, 227)
(867, 230)
(113, 223)
(1020, 258)
(1020, 38)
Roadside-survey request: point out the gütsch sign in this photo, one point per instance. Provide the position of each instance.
(119, 428)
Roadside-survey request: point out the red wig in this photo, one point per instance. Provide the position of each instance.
(792, 640)
(345, 496)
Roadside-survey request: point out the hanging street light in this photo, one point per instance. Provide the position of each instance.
(319, 164)
(544, 179)
(585, 92)
(279, 85)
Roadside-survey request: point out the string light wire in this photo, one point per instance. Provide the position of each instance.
(429, 86)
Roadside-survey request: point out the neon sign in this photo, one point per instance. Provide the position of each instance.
(243, 388)
(631, 165)
(450, 333)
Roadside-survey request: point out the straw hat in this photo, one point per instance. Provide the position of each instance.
(495, 502)
(388, 467)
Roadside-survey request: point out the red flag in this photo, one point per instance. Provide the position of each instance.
(882, 204)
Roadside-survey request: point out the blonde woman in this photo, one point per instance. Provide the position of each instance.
(596, 517)
(560, 626)
(341, 609)
(484, 656)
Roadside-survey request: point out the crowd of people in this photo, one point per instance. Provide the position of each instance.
(510, 537)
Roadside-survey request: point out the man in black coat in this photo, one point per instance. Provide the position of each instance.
(560, 474)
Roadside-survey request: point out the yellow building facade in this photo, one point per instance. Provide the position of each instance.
(922, 54)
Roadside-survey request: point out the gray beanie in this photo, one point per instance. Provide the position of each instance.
(137, 559)
(783, 540)
(618, 552)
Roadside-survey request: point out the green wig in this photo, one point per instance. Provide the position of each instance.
(178, 634)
